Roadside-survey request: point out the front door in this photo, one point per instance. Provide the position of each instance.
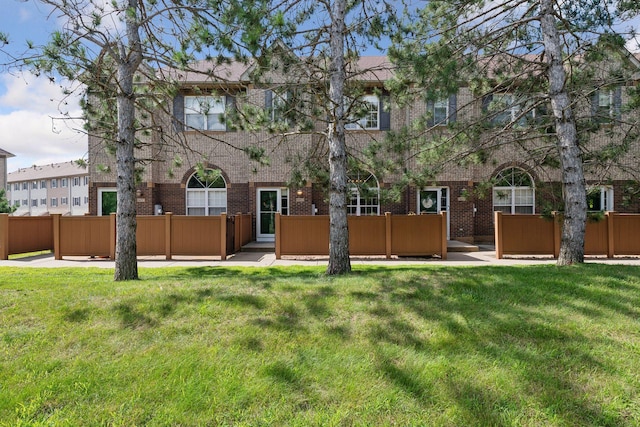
(269, 202)
(107, 201)
(433, 201)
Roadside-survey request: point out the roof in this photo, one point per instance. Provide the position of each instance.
(53, 170)
(6, 154)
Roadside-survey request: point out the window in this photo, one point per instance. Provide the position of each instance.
(34, 185)
(607, 104)
(64, 200)
(506, 108)
(76, 201)
(513, 192)
(54, 202)
(86, 180)
(25, 185)
(368, 115)
(206, 195)
(25, 202)
(43, 202)
(364, 195)
(16, 186)
(16, 203)
(76, 181)
(442, 111)
(43, 184)
(600, 199)
(276, 102)
(86, 200)
(34, 203)
(54, 183)
(204, 112)
(63, 182)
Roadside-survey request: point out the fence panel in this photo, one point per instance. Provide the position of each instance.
(417, 235)
(196, 235)
(303, 235)
(85, 236)
(527, 235)
(367, 235)
(626, 232)
(151, 235)
(596, 237)
(30, 234)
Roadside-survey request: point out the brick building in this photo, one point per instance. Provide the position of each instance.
(200, 118)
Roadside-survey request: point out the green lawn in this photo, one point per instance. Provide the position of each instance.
(405, 346)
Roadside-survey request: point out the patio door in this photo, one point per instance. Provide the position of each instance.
(434, 200)
(107, 201)
(269, 201)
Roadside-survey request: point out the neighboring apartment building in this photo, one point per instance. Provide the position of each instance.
(200, 121)
(61, 188)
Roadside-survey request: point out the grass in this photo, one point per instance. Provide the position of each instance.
(406, 346)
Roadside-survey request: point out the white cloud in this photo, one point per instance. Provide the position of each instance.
(32, 126)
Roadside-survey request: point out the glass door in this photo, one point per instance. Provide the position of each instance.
(433, 201)
(107, 201)
(269, 202)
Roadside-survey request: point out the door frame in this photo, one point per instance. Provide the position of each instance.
(260, 236)
(102, 190)
(440, 208)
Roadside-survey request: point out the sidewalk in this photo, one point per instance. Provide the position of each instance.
(485, 256)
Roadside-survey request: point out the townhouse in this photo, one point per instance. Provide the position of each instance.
(61, 188)
(201, 127)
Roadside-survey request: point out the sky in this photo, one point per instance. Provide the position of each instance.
(31, 127)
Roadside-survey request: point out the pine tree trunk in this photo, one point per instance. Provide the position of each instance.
(339, 262)
(573, 183)
(126, 267)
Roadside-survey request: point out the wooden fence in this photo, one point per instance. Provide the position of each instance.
(166, 235)
(615, 234)
(402, 235)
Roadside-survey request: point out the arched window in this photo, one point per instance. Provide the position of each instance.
(514, 192)
(207, 194)
(364, 197)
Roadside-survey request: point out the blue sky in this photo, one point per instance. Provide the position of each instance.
(29, 106)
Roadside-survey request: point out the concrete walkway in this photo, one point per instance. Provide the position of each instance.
(485, 255)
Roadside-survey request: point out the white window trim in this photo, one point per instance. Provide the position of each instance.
(216, 101)
(206, 191)
(606, 197)
(359, 206)
(360, 123)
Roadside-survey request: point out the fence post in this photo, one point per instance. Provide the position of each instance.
(168, 217)
(497, 215)
(57, 249)
(611, 250)
(223, 236)
(4, 236)
(278, 237)
(556, 235)
(112, 236)
(237, 236)
(387, 236)
(443, 233)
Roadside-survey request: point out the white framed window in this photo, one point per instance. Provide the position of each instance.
(25, 202)
(364, 195)
(204, 112)
(54, 183)
(16, 186)
(367, 116)
(86, 180)
(440, 112)
(16, 203)
(34, 203)
(64, 182)
(25, 185)
(514, 192)
(43, 184)
(76, 201)
(64, 201)
(34, 185)
(600, 199)
(508, 108)
(43, 202)
(54, 202)
(76, 181)
(86, 200)
(206, 195)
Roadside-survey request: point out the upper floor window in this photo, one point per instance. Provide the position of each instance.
(509, 108)
(76, 181)
(366, 113)
(43, 202)
(54, 202)
(54, 183)
(34, 185)
(607, 104)
(442, 111)
(16, 186)
(25, 185)
(63, 182)
(205, 112)
(600, 199)
(514, 192)
(276, 103)
(43, 184)
(86, 180)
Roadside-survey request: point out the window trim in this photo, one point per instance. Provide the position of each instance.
(357, 208)
(217, 99)
(206, 188)
(353, 123)
(513, 189)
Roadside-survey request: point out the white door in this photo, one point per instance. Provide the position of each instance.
(107, 201)
(269, 201)
(434, 200)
